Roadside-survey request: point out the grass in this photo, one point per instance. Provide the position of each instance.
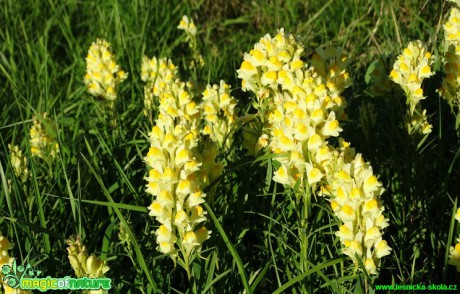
(97, 182)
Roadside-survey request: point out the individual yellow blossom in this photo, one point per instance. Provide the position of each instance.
(409, 71)
(103, 74)
(41, 142)
(218, 108)
(19, 163)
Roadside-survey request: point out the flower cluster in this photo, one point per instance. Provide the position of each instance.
(454, 257)
(304, 105)
(174, 178)
(188, 26)
(355, 192)
(300, 126)
(5, 259)
(41, 142)
(271, 59)
(304, 108)
(219, 115)
(330, 63)
(103, 74)
(19, 163)
(156, 73)
(409, 71)
(450, 85)
(84, 265)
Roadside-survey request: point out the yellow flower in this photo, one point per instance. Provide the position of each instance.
(103, 75)
(409, 71)
(19, 163)
(187, 25)
(454, 256)
(41, 143)
(219, 113)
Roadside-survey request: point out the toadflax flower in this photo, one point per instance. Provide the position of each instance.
(103, 74)
(305, 104)
(218, 108)
(174, 178)
(156, 73)
(449, 89)
(41, 142)
(355, 193)
(187, 25)
(303, 108)
(19, 163)
(409, 71)
(269, 59)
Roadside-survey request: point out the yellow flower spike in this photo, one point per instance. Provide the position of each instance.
(100, 63)
(409, 71)
(219, 113)
(18, 161)
(42, 145)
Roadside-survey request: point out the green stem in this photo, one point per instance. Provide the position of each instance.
(303, 229)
